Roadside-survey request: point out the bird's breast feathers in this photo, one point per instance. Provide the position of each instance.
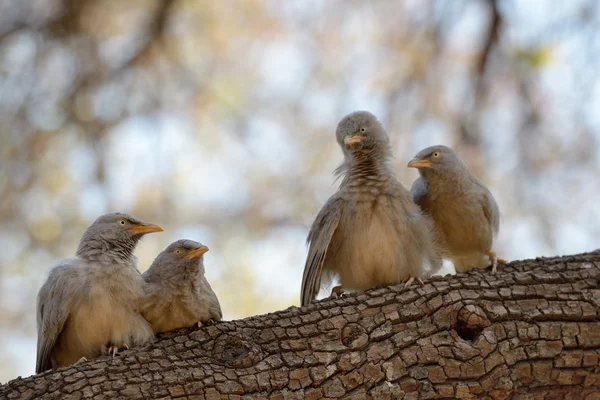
(368, 246)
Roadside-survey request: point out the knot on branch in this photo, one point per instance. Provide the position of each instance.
(471, 321)
(236, 350)
(355, 337)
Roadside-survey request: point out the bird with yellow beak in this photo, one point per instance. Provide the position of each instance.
(466, 214)
(177, 292)
(90, 304)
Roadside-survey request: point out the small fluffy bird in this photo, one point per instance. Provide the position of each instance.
(90, 302)
(177, 293)
(464, 210)
(370, 233)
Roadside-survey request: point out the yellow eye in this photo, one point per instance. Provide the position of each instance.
(122, 221)
(363, 130)
(178, 251)
(436, 154)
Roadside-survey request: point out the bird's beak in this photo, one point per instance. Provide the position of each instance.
(419, 163)
(197, 253)
(352, 140)
(144, 229)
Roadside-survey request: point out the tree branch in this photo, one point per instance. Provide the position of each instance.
(532, 329)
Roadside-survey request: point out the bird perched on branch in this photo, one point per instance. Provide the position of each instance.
(177, 293)
(370, 233)
(90, 302)
(464, 210)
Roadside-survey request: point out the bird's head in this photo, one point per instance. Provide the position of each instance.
(436, 158)
(114, 234)
(183, 252)
(361, 134)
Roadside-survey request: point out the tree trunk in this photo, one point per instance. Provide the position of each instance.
(531, 331)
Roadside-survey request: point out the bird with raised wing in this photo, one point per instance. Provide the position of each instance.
(89, 304)
(465, 212)
(177, 292)
(370, 233)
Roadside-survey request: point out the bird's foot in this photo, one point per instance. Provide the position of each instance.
(495, 261)
(208, 322)
(337, 291)
(81, 360)
(411, 280)
(113, 349)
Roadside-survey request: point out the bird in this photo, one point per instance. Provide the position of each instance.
(177, 292)
(463, 209)
(89, 304)
(370, 233)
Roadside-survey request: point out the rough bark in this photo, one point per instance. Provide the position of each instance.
(532, 331)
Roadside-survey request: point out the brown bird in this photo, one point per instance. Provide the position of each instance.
(177, 293)
(370, 233)
(90, 303)
(464, 210)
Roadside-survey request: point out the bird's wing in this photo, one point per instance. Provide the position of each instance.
(418, 191)
(54, 303)
(490, 208)
(152, 295)
(214, 308)
(318, 239)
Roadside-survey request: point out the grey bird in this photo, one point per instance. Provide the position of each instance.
(89, 304)
(370, 233)
(177, 293)
(464, 210)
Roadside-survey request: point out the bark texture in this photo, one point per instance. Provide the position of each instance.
(532, 331)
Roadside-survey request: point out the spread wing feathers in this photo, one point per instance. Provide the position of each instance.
(54, 302)
(418, 191)
(319, 239)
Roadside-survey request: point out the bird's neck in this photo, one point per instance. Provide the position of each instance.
(368, 167)
(106, 252)
(452, 179)
(185, 276)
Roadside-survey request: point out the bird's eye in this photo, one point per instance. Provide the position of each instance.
(436, 154)
(363, 130)
(122, 222)
(178, 251)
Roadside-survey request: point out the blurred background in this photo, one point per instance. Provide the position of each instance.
(216, 120)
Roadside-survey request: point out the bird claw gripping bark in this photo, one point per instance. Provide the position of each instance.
(113, 349)
(494, 261)
(81, 360)
(337, 291)
(411, 280)
(209, 322)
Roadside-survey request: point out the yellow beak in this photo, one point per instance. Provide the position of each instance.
(352, 140)
(144, 229)
(415, 163)
(197, 253)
